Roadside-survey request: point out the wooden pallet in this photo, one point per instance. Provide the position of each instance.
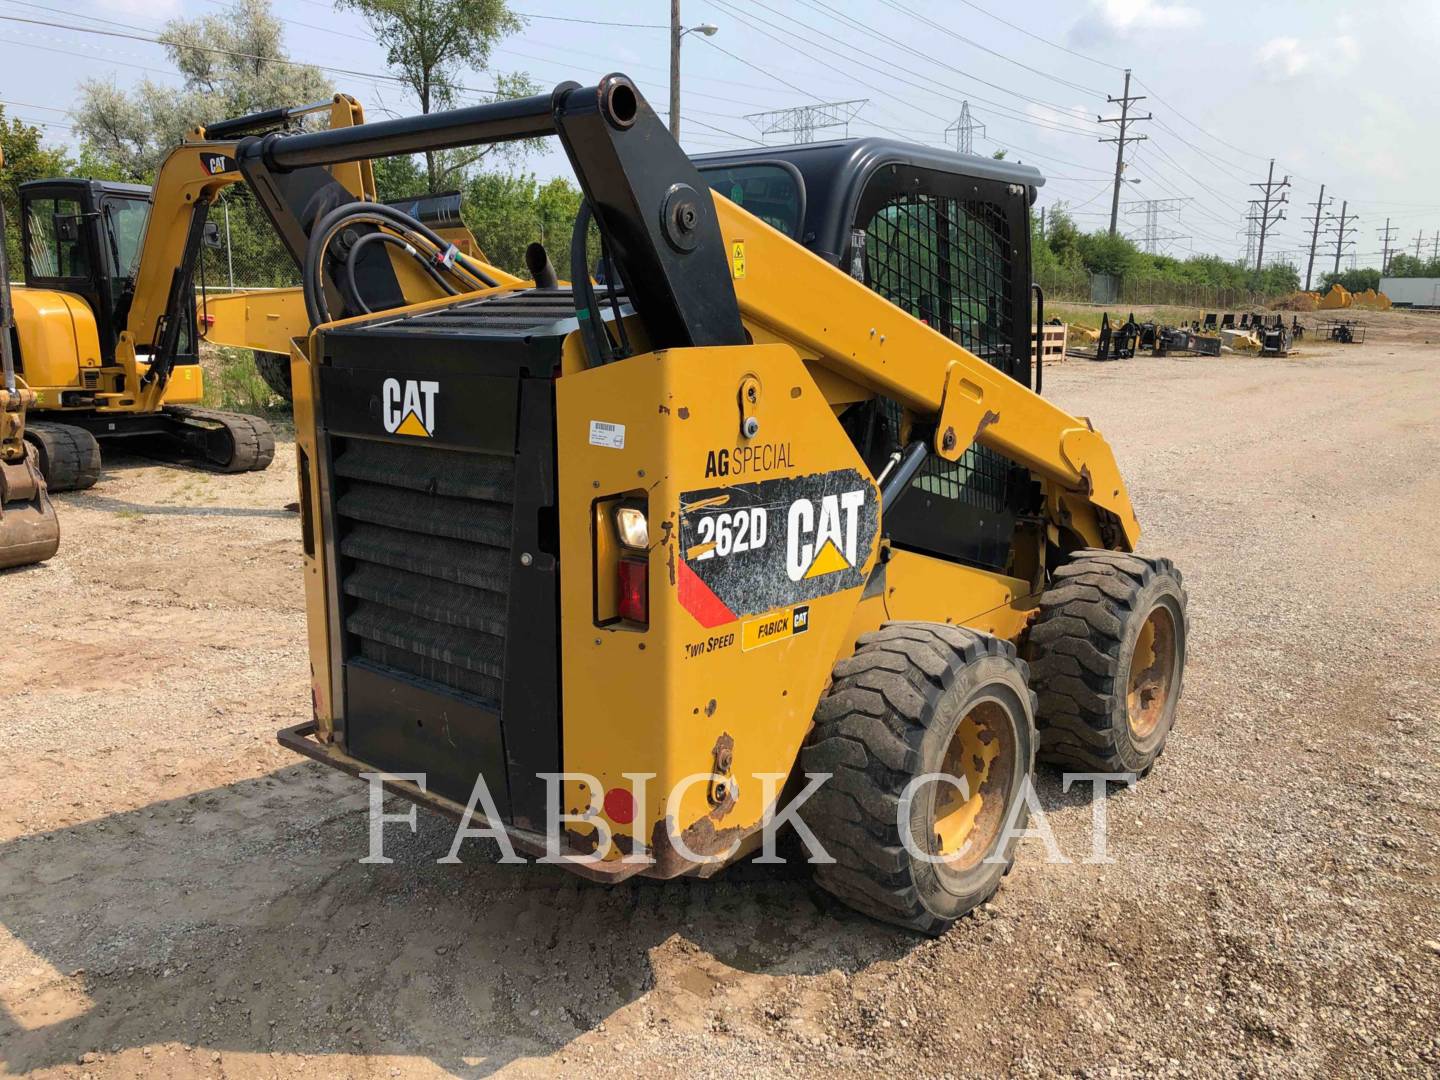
(1052, 345)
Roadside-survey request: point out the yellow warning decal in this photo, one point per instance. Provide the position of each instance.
(777, 626)
(737, 258)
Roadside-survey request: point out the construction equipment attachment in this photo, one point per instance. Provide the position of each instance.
(29, 527)
(760, 520)
(1275, 339)
(1344, 331)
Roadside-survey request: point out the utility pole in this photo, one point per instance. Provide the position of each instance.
(675, 34)
(1341, 230)
(1387, 234)
(1124, 120)
(1320, 205)
(1270, 187)
(1419, 239)
(1435, 254)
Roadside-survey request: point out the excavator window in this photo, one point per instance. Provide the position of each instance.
(125, 225)
(57, 243)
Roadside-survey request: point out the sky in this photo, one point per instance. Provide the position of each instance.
(1337, 93)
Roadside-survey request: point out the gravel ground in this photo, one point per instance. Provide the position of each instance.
(179, 897)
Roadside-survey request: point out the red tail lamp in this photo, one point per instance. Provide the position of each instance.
(635, 589)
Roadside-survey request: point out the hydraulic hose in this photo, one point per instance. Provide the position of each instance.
(351, 261)
(419, 236)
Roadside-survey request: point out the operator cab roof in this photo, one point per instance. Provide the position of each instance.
(827, 179)
(108, 187)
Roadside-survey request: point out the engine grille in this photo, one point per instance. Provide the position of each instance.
(424, 538)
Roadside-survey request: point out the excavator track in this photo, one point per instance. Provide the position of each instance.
(229, 442)
(69, 455)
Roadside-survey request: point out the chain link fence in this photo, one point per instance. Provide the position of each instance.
(250, 255)
(1082, 287)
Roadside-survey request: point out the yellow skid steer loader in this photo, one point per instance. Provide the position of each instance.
(764, 519)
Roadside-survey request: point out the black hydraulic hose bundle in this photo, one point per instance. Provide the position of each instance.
(427, 247)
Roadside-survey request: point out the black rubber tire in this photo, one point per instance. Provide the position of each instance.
(274, 368)
(69, 456)
(246, 445)
(1081, 647)
(888, 717)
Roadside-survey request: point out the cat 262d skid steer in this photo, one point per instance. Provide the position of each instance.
(767, 516)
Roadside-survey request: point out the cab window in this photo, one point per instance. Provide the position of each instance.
(57, 239)
(770, 192)
(125, 225)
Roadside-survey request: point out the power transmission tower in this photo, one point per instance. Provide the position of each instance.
(1124, 120)
(964, 130)
(1386, 234)
(804, 120)
(1252, 230)
(1320, 204)
(1267, 218)
(1153, 208)
(1341, 230)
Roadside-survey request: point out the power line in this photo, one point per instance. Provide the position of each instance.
(1042, 40)
(985, 48)
(591, 22)
(492, 92)
(724, 5)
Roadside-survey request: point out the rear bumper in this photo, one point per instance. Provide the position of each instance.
(663, 864)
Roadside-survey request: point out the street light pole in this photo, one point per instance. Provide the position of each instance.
(675, 34)
(678, 32)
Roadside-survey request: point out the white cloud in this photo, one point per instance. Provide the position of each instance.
(1283, 57)
(1127, 15)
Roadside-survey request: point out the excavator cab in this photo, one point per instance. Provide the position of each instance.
(84, 237)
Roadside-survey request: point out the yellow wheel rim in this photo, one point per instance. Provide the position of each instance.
(1152, 673)
(981, 754)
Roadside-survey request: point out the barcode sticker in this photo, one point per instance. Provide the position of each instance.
(603, 434)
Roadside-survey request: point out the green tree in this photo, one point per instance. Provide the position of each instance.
(1106, 254)
(508, 211)
(429, 44)
(25, 159)
(233, 63)
(1352, 280)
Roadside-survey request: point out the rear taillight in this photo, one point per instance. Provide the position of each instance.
(634, 590)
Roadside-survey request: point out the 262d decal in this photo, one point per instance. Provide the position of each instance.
(752, 548)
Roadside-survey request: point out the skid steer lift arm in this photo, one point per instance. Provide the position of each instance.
(670, 237)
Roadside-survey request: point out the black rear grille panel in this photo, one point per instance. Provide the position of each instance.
(424, 534)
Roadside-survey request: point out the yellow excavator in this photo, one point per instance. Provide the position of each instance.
(29, 528)
(106, 323)
(763, 519)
